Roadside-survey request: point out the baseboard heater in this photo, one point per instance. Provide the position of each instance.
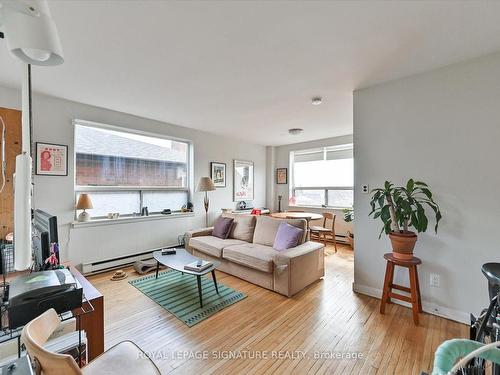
(106, 265)
(340, 238)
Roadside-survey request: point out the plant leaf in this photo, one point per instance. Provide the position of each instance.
(410, 185)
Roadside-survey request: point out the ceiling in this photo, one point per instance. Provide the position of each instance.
(250, 69)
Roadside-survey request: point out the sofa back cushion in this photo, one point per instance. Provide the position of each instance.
(266, 228)
(243, 226)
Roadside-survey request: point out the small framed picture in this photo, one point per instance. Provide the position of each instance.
(218, 174)
(282, 176)
(51, 159)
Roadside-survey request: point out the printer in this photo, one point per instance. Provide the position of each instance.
(33, 294)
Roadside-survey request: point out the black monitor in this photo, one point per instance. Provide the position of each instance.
(44, 234)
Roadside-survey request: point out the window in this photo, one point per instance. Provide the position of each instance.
(125, 171)
(322, 177)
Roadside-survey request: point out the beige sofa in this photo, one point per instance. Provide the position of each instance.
(248, 253)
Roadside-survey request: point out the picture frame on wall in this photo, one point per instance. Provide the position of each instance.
(282, 176)
(51, 159)
(243, 180)
(218, 174)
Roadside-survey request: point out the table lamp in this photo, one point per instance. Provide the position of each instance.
(84, 203)
(205, 184)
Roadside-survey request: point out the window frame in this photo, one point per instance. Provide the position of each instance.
(79, 189)
(325, 189)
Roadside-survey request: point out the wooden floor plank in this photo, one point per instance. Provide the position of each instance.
(324, 320)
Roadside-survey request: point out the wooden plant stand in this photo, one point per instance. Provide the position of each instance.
(413, 290)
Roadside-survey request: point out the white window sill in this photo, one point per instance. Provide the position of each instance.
(323, 208)
(129, 219)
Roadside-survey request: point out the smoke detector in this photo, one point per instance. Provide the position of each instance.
(317, 100)
(295, 131)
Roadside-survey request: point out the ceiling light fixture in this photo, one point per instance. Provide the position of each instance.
(30, 32)
(317, 100)
(295, 131)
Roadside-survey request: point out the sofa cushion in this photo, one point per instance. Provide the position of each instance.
(212, 245)
(287, 236)
(222, 227)
(252, 255)
(243, 226)
(266, 228)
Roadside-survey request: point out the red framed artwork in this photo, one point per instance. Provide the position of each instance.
(51, 159)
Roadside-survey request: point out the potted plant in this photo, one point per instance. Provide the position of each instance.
(402, 208)
(348, 218)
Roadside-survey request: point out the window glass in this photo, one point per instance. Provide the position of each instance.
(123, 171)
(309, 197)
(321, 173)
(340, 198)
(116, 158)
(157, 201)
(322, 177)
(123, 202)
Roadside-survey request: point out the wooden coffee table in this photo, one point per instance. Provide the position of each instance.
(179, 260)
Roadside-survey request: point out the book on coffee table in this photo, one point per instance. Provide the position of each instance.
(198, 266)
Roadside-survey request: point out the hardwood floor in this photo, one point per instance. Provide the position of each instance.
(323, 321)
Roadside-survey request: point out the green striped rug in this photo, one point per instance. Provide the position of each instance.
(178, 294)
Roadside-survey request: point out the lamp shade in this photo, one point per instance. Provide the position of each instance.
(205, 184)
(30, 32)
(84, 202)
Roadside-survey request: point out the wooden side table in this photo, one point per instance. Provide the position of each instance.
(413, 290)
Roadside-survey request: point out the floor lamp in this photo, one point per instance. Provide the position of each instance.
(206, 184)
(31, 36)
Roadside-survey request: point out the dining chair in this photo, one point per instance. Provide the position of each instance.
(322, 232)
(123, 358)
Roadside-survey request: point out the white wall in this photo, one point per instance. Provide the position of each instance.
(279, 157)
(441, 127)
(52, 123)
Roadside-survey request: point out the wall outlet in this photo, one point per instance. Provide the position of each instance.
(435, 280)
(365, 189)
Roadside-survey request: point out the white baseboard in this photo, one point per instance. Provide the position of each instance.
(431, 308)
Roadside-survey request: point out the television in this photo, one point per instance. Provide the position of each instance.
(44, 234)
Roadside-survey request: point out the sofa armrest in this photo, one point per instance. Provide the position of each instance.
(296, 268)
(302, 249)
(196, 233)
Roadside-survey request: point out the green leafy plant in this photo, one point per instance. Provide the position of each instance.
(403, 207)
(348, 215)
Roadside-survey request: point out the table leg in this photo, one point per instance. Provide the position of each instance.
(215, 281)
(418, 291)
(414, 295)
(387, 285)
(198, 279)
(157, 268)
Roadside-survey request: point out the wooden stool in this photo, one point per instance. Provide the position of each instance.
(413, 290)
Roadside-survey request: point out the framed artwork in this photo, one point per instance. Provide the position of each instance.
(218, 174)
(51, 159)
(242, 181)
(281, 176)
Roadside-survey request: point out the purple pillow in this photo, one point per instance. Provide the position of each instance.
(222, 227)
(287, 237)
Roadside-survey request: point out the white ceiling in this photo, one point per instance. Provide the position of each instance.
(249, 69)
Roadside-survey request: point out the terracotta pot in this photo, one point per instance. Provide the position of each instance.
(403, 244)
